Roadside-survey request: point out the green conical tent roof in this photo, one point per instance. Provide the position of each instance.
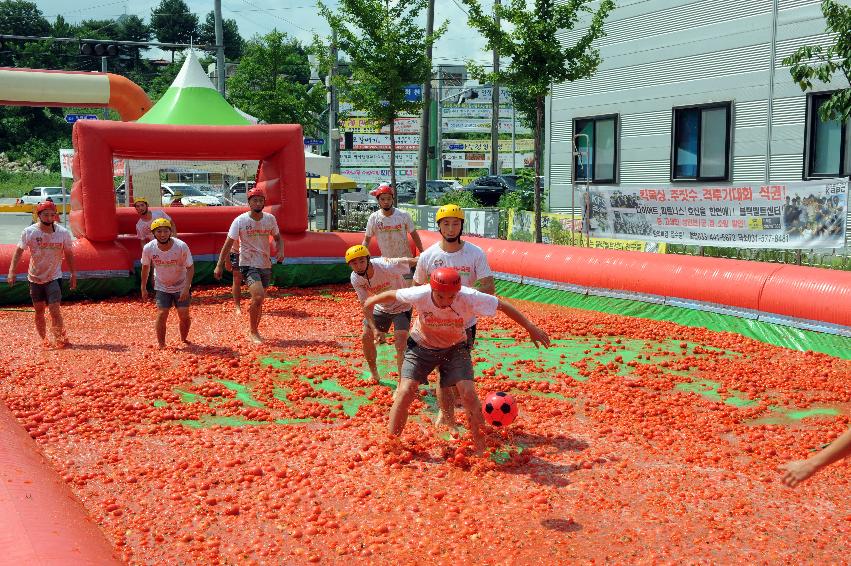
(192, 100)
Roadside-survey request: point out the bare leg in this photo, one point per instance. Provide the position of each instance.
(473, 406)
(58, 324)
(405, 395)
(255, 311)
(446, 406)
(162, 318)
(401, 343)
(40, 322)
(185, 323)
(369, 352)
(237, 290)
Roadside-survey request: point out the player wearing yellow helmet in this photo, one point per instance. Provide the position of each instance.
(370, 277)
(173, 272)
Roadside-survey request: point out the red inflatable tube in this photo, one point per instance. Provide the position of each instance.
(41, 522)
(791, 291)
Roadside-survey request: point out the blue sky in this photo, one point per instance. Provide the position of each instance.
(298, 18)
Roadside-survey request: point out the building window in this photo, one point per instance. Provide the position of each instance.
(700, 146)
(828, 154)
(596, 141)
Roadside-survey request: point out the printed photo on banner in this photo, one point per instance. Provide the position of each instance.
(804, 215)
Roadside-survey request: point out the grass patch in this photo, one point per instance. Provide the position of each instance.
(14, 185)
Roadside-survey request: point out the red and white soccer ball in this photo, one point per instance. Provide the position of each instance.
(499, 409)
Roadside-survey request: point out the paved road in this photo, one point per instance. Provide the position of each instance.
(11, 226)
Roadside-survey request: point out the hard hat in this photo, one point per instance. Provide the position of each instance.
(355, 252)
(46, 205)
(255, 192)
(160, 223)
(449, 211)
(445, 279)
(140, 199)
(384, 189)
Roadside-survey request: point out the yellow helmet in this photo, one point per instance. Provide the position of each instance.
(160, 223)
(140, 199)
(355, 252)
(449, 211)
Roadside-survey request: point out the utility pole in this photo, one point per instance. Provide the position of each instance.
(495, 103)
(425, 116)
(333, 131)
(103, 70)
(220, 48)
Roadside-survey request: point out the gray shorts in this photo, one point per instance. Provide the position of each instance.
(50, 292)
(400, 321)
(252, 275)
(453, 364)
(167, 300)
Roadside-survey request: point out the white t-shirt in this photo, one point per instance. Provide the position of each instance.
(387, 276)
(470, 261)
(169, 265)
(253, 236)
(391, 232)
(143, 227)
(438, 328)
(46, 251)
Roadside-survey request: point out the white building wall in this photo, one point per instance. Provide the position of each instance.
(659, 54)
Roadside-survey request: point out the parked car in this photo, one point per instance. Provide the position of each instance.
(489, 188)
(41, 194)
(238, 190)
(209, 190)
(190, 196)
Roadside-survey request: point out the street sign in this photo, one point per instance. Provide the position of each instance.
(413, 93)
(314, 141)
(456, 147)
(71, 118)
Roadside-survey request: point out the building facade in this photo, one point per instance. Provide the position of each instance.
(694, 93)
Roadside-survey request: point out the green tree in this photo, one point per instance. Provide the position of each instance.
(132, 28)
(173, 22)
(813, 62)
(233, 42)
(18, 17)
(272, 83)
(387, 47)
(537, 57)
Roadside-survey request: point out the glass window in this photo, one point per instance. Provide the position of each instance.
(829, 155)
(595, 141)
(701, 143)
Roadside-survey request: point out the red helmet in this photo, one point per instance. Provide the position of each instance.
(445, 280)
(255, 192)
(382, 190)
(46, 205)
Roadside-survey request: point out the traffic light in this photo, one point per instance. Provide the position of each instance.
(98, 49)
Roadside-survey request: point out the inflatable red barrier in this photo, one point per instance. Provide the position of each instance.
(278, 147)
(787, 290)
(41, 522)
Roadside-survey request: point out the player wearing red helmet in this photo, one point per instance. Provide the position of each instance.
(390, 227)
(253, 230)
(47, 242)
(438, 340)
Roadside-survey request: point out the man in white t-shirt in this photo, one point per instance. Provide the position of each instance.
(253, 230)
(370, 277)
(390, 227)
(471, 263)
(146, 217)
(173, 273)
(47, 242)
(438, 340)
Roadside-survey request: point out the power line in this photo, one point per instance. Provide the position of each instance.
(278, 17)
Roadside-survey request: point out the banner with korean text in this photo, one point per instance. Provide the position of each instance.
(808, 214)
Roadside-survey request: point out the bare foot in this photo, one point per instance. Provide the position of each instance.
(380, 339)
(45, 343)
(451, 427)
(161, 345)
(238, 309)
(255, 337)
